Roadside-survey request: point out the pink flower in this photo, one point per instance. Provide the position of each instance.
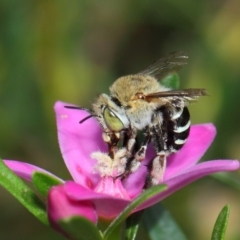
(94, 193)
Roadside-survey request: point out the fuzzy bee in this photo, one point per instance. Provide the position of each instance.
(140, 103)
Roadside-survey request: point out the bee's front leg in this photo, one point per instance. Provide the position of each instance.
(138, 155)
(141, 153)
(130, 141)
(112, 140)
(133, 153)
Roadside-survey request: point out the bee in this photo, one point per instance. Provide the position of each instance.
(139, 102)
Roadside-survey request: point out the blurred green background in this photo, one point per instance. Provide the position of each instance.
(73, 50)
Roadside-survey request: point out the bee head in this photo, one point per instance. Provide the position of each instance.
(111, 116)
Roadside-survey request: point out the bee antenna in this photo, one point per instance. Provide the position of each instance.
(77, 108)
(86, 118)
(81, 108)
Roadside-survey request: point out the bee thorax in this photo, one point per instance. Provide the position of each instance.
(125, 88)
(140, 119)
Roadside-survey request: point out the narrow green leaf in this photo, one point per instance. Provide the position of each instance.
(135, 203)
(79, 228)
(228, 179)
(43, 182)
(160, 225)
(116, 234)
(171, 81)
(132, 225)
(221, 224)
(22, 193)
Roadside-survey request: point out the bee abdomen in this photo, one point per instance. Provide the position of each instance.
(180, 129)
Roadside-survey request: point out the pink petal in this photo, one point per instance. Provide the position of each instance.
(106, 206)
(25, 170)
(61, 207)
(134, 182)
(190, 175)
(77, 142)
(200, 138)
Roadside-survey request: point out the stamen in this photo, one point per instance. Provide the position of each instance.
(106, 166)
(109, 169)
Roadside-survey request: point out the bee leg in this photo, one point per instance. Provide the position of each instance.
(157, 165)
(112, 141)
(131, 142)
(140, 154)
(136, 161)
(135, 154)
(156, 170)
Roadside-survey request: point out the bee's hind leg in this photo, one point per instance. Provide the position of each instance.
(157, 165)
(157, 169)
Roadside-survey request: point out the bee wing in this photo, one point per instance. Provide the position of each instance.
(190, 94)
(173, 62)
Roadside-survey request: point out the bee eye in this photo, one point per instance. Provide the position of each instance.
(112, 121)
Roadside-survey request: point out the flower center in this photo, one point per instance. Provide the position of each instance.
(110, 186)
(109, 170)
(106, 166)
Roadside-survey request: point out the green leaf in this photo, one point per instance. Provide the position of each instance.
(132, 225)
(43, 182)
(22, 193)
(116, 234)
(228, 179)
(171, 81)
(135, 203)
(221, 224)
(79, 228)
(160, 225)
